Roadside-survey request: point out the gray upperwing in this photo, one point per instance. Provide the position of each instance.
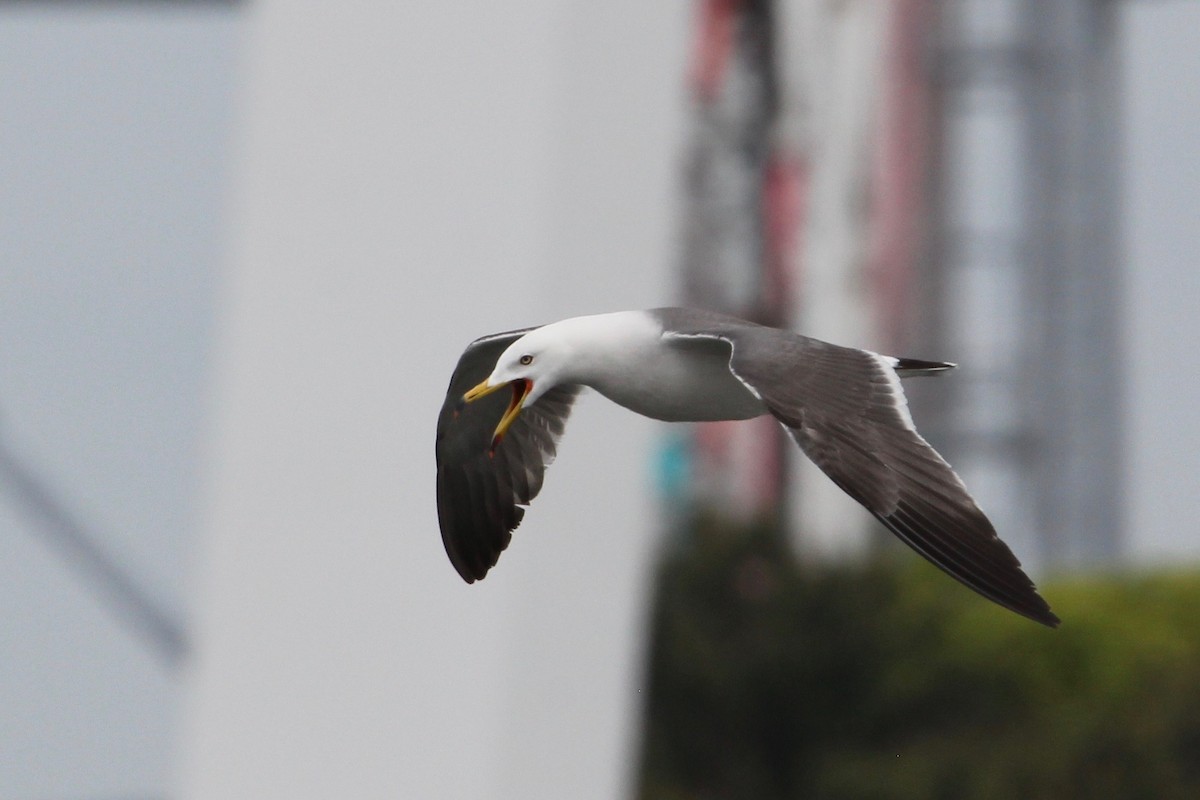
(479, 495)
(847, 411)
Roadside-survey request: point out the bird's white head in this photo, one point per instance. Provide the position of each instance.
(531, 365)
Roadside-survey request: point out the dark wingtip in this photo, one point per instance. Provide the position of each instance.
(1032, 605)
(1043, 615)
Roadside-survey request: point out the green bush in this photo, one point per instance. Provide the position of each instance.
(769, 679)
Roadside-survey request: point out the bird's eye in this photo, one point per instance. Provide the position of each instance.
(526, 360)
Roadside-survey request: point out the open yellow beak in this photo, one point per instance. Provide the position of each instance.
(521, 389)
(482, 390)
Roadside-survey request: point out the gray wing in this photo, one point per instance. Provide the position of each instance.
(480, 494)
(847, 411)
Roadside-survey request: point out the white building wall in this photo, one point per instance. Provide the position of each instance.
(412, 178)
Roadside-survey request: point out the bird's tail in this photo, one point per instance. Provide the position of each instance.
(909, 367)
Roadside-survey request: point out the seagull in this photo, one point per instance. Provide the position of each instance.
(844, 407)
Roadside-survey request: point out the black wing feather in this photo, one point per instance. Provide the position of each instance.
(849, 415)
(480, 494)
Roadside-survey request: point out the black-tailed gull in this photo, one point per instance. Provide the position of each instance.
(844, 407)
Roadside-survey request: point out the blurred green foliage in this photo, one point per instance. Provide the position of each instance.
(770, 679)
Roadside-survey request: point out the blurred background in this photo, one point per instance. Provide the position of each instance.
(245, 243)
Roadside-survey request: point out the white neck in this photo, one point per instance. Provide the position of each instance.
(601, 345)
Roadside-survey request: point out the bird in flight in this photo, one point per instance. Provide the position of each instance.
(844, 407)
